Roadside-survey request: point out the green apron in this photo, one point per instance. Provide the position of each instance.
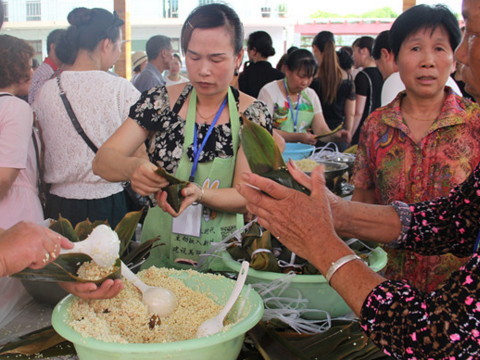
(305, 117)
(215, 226)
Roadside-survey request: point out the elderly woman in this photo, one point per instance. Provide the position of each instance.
(191, 130)
(424, 142)
(406, 322)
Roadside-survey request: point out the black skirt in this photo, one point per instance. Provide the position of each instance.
(112, 208)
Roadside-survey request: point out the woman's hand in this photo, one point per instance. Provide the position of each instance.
(275, 205)
(307, 138)
(191, 193)
(108, 289)
(145, 180)
(343, 135)
(29, 245)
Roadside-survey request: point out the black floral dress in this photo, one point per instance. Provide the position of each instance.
(165, 145)
(444, 324)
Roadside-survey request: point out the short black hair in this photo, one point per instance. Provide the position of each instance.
(345, 60)
(156, 44)
(424, 17)
(54, 37)
(211, 16)
(302, 59)
(262, 42)
(364, 42)
(382, 41)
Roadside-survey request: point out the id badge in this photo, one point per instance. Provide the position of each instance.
(189, 221)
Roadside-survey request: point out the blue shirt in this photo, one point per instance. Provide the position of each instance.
(149, 78)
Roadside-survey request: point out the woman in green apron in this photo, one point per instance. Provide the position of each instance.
(296, 110)
(192, 131)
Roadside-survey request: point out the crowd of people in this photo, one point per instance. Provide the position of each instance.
(416, 173)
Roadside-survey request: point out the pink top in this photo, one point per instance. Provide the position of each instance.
(17, 151)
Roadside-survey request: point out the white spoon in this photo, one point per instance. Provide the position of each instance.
(102, 245)
(213, 325)
(160, 301)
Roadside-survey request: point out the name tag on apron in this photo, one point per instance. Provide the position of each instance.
(189, 221)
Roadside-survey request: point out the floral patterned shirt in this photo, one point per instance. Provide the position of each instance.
(444, 324)
(390, 162)
(165, 145)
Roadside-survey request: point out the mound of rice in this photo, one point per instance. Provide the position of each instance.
(306, 165)
(125, 319)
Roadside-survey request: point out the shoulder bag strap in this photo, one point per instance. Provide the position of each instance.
(74, 119)
(371, 91)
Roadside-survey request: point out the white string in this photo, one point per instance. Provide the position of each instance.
(217, 248)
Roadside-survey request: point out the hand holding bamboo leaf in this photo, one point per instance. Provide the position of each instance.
(29, 245)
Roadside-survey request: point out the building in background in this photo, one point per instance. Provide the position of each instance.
(287, 21)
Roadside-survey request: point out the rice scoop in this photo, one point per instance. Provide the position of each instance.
(102, 245)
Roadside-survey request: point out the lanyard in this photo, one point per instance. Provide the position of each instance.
(198, 149)
(477, 242)
(294, 118)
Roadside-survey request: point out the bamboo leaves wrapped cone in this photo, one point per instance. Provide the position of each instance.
(264, 156)
(174, 189)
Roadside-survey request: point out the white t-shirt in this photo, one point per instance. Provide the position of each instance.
(101, 103)
(277, 103)
(393, 85)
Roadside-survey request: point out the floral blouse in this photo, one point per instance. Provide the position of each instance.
(165, 145)
(397, 168)
(444, 324)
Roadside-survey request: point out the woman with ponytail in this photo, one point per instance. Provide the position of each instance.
(333, 85)
(100, 101)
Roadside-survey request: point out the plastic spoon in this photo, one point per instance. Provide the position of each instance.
(213, 325)
(160, 301)
(102, 245)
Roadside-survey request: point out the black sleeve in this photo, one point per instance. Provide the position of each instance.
(362, 85)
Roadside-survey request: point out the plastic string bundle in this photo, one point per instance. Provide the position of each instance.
(330, 152)
(290, 309)
(217, 248)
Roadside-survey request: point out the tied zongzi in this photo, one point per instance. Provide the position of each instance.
(264, 156)
(174, 189)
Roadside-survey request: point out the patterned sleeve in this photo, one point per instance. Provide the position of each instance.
(258, 113)
(150, 109)
(446, 224)
(410, 324)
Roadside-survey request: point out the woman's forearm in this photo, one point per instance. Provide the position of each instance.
(114, 166)
(354, 281)
(225, 200)
(379, 223)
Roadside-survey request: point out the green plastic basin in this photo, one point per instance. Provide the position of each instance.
(225, 345)
(314, 288)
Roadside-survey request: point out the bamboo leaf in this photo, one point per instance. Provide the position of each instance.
(126, 228)
(283, 177)
(83, 229)
(169, 177)
(64, 227)
(174, 189)
(141, 252)
(64, 269)
(273, 347)
(44, 342)
(334, 131)
(262, 154)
